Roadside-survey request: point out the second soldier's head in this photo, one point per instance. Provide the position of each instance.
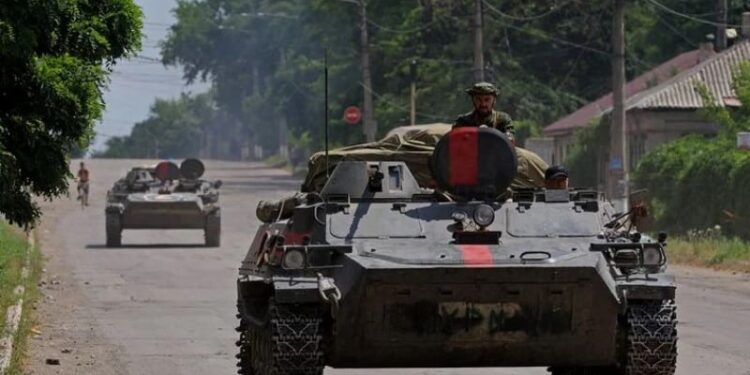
(484, 96)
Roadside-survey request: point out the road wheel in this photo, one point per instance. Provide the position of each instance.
(290, 343)
(114, 230)
(212, 231)
(650, 338)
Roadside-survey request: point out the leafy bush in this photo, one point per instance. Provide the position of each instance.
(695, 182)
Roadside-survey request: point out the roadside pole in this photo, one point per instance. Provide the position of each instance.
(478, 42)
(370, 127)
(619, 164)
(413, 114)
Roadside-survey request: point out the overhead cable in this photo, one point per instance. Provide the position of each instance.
(687, 16)
(519, 18)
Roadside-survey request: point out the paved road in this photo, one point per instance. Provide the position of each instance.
(163, 304)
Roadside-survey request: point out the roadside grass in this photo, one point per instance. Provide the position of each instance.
(730, 254)
(13, 249)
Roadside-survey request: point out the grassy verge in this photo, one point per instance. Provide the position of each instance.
(731, 254)
(13, 250)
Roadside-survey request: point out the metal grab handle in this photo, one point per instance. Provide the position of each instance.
(526, 254)
(330, 293)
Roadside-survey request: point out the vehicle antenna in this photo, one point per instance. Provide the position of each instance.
(327, 114)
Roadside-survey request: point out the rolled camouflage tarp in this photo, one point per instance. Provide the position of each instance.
(414, 146)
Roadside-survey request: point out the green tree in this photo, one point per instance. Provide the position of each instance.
(265, 58)
(176, 128)
(54, 60)
(697, 182)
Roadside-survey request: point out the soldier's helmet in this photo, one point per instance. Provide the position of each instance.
(482, 88)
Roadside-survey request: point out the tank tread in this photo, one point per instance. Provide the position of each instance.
(289, 344)
(113, 224)
(244, 360)
(212, 231)
(651, 338)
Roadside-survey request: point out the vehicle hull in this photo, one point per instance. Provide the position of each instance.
(468, 317)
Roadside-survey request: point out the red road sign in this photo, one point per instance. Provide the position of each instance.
(352, 115)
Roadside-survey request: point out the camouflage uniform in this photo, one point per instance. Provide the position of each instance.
(496, 119)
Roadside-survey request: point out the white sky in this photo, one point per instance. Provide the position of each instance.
(136, 83)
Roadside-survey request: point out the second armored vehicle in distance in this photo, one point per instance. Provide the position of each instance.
(164, 197)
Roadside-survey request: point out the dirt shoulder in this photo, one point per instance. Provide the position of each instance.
(64, 337)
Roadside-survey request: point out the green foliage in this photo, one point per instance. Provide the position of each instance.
(54, 59)
(175, 129)
(709, 248)
(265, 58)
(697, 182)
(12, 258)
(583, 160)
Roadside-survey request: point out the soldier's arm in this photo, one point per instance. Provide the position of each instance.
(506, 123)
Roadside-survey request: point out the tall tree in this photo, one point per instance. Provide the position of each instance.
(54, 60)
(265, 58)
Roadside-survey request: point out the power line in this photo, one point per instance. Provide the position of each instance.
(518, 18)
(397, 106)
(539, 34)
(675, 31)
(404, 31)
(148, 58)
(687, 16)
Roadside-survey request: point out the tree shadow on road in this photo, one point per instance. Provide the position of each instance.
(159, 246)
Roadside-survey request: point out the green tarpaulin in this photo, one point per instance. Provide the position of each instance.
(413, 145)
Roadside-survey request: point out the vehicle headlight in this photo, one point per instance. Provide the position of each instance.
(484, 215)
(294, 260)
(652, 256)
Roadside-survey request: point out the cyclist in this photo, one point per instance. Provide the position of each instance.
(83, 184)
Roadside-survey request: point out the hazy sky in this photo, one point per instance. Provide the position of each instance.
(136, 83)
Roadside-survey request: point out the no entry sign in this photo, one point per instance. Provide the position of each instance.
(352, 115)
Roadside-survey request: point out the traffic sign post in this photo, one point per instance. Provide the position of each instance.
(352, 115)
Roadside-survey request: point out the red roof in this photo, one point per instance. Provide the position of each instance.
(589, 112)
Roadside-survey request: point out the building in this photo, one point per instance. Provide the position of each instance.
(661, 105)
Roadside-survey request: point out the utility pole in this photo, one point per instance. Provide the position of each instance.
(283, 126)
(478, 42)
(721, 27)
(413, 116)
(370, 127)
(618, 159)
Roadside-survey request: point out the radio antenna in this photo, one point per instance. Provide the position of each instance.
(327, 114)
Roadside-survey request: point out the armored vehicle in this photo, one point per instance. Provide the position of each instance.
(374, 271)
(164, 197)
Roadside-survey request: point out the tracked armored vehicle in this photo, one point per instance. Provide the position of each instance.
(164, 197)
(376, 272)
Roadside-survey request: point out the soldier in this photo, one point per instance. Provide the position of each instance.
(484, 96)
(556, 178)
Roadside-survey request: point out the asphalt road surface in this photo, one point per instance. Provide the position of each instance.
(164, 304)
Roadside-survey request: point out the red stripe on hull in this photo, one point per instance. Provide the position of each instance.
(476, 255)
(464, 159)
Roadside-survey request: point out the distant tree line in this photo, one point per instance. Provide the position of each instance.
(265, 62)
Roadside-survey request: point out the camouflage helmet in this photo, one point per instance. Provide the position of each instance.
(482, 88)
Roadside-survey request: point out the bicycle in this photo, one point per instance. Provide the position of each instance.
(83, 193)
